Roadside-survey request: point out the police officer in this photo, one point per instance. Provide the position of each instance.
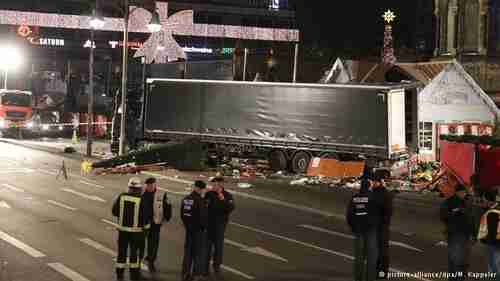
(133, 218)
(194, 217)
(459, 229)
(220, 205)
(361, 217)
(161, 210)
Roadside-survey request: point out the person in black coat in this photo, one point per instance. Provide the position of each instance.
(220, 205)
(384, 200)
(454, 215)
(194, 216)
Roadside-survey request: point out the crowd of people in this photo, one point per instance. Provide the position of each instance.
(470, 215)
(141, 212)
(205, 213)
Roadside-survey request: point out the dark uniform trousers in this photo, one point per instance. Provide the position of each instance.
(383, 242)
(153, 241)
(215, 247)
(194, 253)
(125, 240)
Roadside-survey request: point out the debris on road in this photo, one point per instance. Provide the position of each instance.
(243, 185)
(441, 244)
(131, 168)
(69, 149)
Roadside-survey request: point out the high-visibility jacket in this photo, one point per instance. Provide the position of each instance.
(158, 204)
(483, 227)
(131, 212)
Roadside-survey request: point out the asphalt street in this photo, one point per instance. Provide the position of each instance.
(57, 229)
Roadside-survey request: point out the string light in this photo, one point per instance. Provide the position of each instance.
(180, 23)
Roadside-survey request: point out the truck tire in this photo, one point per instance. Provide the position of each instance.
(300, 162)
(277, 160)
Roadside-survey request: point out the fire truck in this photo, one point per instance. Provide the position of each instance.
(16, 112)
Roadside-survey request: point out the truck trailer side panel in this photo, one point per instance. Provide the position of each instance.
(271, 111)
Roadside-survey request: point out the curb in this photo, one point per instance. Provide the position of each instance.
(51, 150)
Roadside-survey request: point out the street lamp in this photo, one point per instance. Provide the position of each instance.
(96, 22)
(10, 58)
(153, 26)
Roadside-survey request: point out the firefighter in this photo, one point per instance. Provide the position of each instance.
(489, 234)
(132, 220)
(194, 216)
(220, 205)
(161, 210)
(363, 219)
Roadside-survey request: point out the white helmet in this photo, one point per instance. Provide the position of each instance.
(135, 182)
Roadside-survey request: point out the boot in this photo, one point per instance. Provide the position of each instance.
(135, 275)
(120, 272)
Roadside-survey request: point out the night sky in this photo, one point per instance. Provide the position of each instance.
(356, 23)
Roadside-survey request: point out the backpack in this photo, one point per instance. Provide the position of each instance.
(360, 211)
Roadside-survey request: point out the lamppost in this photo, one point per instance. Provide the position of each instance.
(96, 23)
(153, 26)
(10, 58)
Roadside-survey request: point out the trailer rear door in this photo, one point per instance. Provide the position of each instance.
(396, 121)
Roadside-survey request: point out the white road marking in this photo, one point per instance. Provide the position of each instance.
(8, 161)
(61, 205)
(394, 243)
(4, 204)
(16, 170)
(255, 250)
(67, 272)
(92, 184)
(109, 222)
(98, 246)
(237, 272)
(255, 197)
(90, 197)
(13, 188)
(21, 246)
(105, 250)
(349, 257)
(47, 172)
(294, 241)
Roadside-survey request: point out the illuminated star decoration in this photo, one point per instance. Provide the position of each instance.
(161, 46)
(389, 16)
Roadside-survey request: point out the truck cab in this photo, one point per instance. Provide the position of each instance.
(16, 111)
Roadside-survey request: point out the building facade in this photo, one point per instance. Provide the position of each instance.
(469, 30)
(58, 49)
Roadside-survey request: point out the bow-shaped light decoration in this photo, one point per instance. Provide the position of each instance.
(161, 46)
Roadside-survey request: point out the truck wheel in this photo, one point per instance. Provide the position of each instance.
(300, 162)
(277, 160)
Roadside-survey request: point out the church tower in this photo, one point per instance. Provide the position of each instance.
(463, 27)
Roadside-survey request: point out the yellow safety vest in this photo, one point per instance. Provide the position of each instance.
(483, 227)
(135, 225)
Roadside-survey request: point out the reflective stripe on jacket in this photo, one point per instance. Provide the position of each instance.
(483, 227)
(158, 207)
(129, 208)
